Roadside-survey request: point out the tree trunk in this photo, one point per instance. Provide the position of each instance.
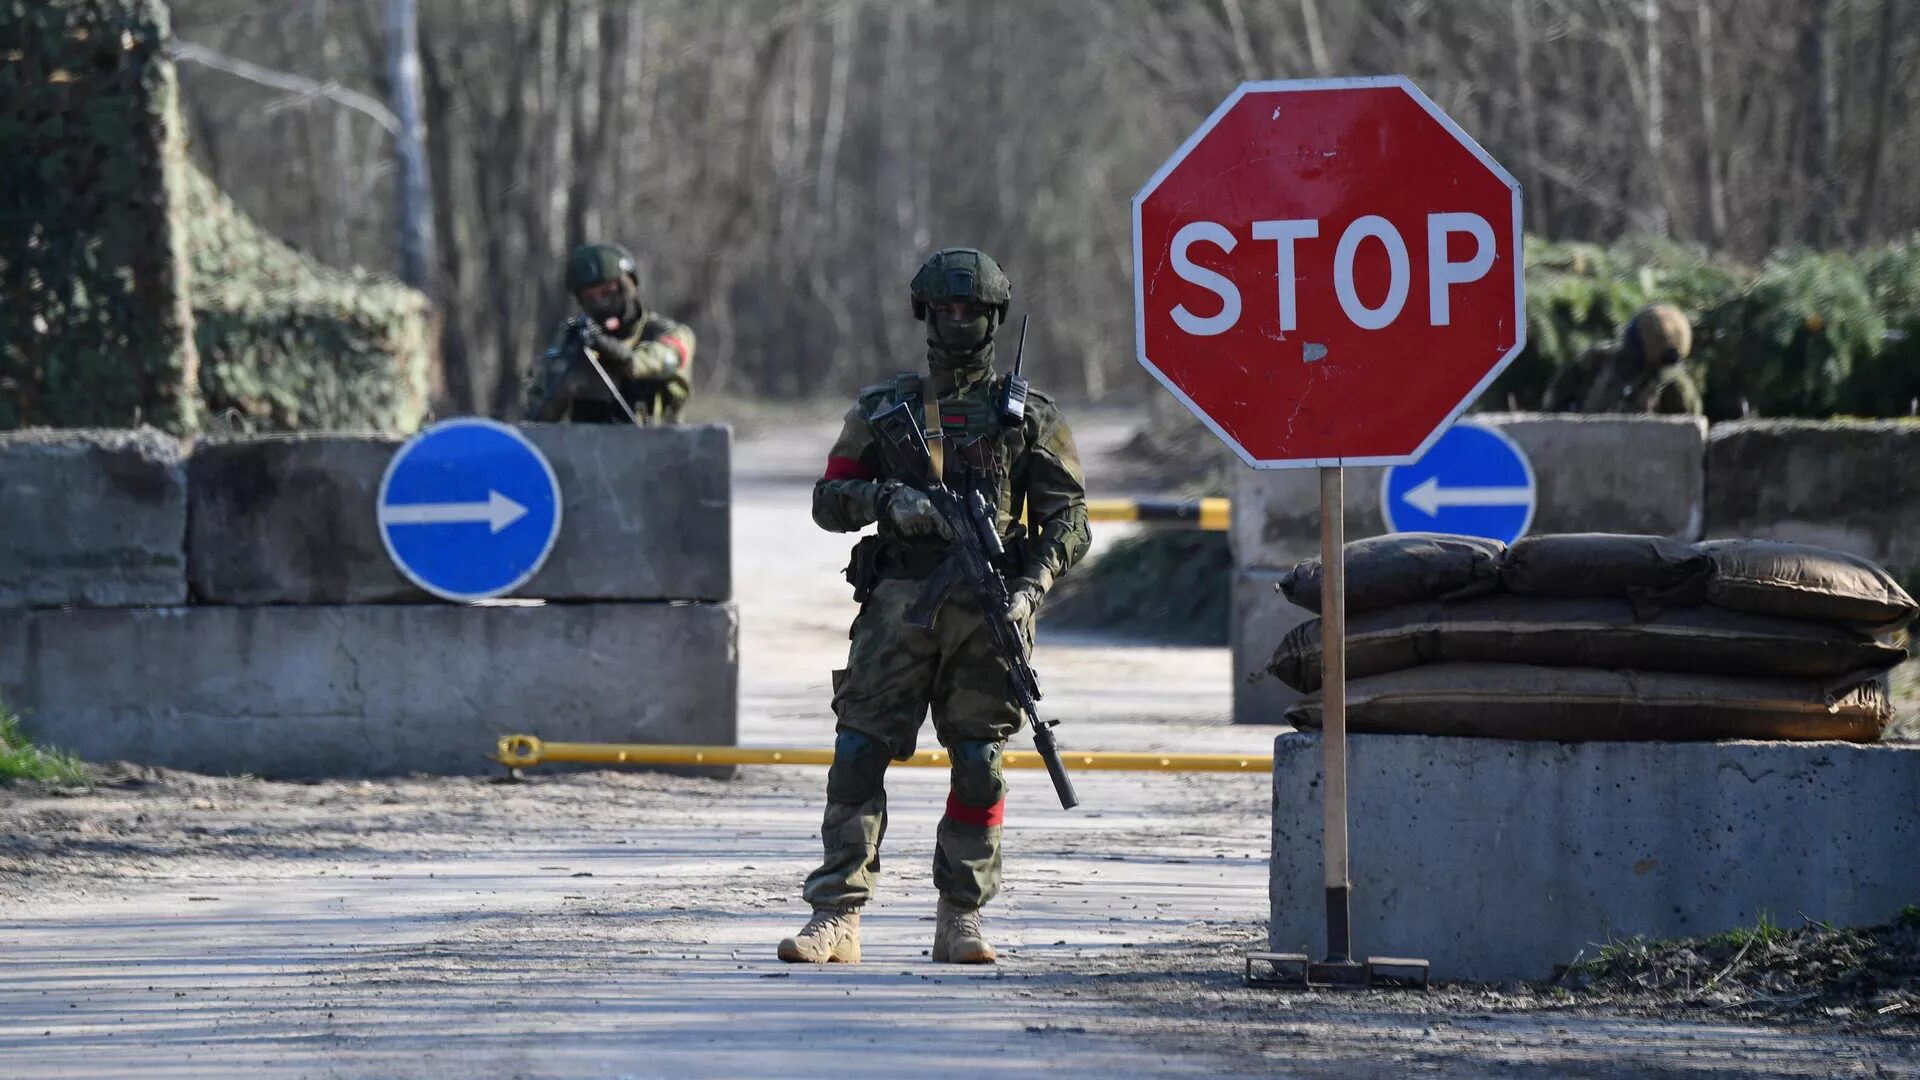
(1867, 227)
(1713, 189)
(414, 185)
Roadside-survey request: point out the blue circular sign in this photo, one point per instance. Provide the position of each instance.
(1473, 481)
(469, 509)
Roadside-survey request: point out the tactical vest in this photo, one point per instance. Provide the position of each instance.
(975, 450)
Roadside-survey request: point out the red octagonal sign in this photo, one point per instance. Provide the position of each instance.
(1328, 272)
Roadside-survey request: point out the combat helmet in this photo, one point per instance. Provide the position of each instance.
(591, 264)
(961, 275)
(1662, 334)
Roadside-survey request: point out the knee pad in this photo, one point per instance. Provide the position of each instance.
(977, 780)
(859, 768)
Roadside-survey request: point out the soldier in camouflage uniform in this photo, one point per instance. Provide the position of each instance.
(895, 671)
(1645, 373)
(647, 355)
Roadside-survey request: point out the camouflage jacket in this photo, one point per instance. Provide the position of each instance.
(1604, 379)
(1034, 471)
(654, 382)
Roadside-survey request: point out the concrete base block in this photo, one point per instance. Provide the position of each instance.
(1626, 474)
(93, 518)
(1847, 484)
(1498, 860)
(290, 519)
(367, 690)
(1261, 617)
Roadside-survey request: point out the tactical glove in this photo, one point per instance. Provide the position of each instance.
(912, 513)
(612, 351)
(1023, 600)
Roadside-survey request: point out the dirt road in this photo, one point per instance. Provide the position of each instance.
(621, 925)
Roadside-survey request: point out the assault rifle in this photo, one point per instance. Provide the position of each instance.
(976, 558)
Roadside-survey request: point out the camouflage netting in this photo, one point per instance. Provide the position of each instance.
(97, 329)
(135, 290)
(287, 344)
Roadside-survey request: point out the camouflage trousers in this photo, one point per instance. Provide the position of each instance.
(894, 673)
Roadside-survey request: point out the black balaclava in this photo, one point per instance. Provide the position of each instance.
(959, 351)
(623, 309)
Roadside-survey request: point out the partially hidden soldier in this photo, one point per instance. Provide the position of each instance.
(648, 356)
(896, 671)
(1645, 372)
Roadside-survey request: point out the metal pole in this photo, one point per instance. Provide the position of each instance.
(525, 751)
(1333, 708)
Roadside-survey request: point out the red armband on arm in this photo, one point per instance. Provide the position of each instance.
(846, 468)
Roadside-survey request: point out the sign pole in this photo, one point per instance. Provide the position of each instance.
(1333, 712)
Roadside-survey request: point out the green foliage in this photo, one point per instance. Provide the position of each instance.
(1808, 333)
(21, 760)
(1796, 337)
(1764, 931)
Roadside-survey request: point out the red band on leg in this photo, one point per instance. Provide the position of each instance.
(975, 815)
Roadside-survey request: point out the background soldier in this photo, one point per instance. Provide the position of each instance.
(1645, 373)
(895, 671)
(648, 356)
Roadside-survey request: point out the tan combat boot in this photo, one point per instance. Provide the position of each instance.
(830, 937)
(957, 937)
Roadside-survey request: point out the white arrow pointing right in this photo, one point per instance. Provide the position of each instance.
(1428, 496)
(497, 513)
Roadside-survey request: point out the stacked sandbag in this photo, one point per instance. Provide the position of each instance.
(1604, 637)
(1401, 568)
(1520, 701)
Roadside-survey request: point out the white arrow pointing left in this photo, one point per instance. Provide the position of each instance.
(1428, 496)
(497, 512)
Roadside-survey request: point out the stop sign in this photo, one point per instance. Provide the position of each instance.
(1328, 272)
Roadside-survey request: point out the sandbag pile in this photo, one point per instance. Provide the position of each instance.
(1593, 636)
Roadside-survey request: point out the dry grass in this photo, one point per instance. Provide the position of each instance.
(1768, 969)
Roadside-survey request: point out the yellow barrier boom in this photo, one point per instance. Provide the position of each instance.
(522, 751)
(1209, 514)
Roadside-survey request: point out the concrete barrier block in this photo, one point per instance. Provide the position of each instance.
(93, 518)
(1498, 860)
(1276, 513)
(1847, 484)
(367, 690)
(1619, 474)
(290, 519)
(1628, 474)
(1261, 617)
(646, 512)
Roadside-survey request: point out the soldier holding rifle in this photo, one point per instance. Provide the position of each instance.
(949, 587)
